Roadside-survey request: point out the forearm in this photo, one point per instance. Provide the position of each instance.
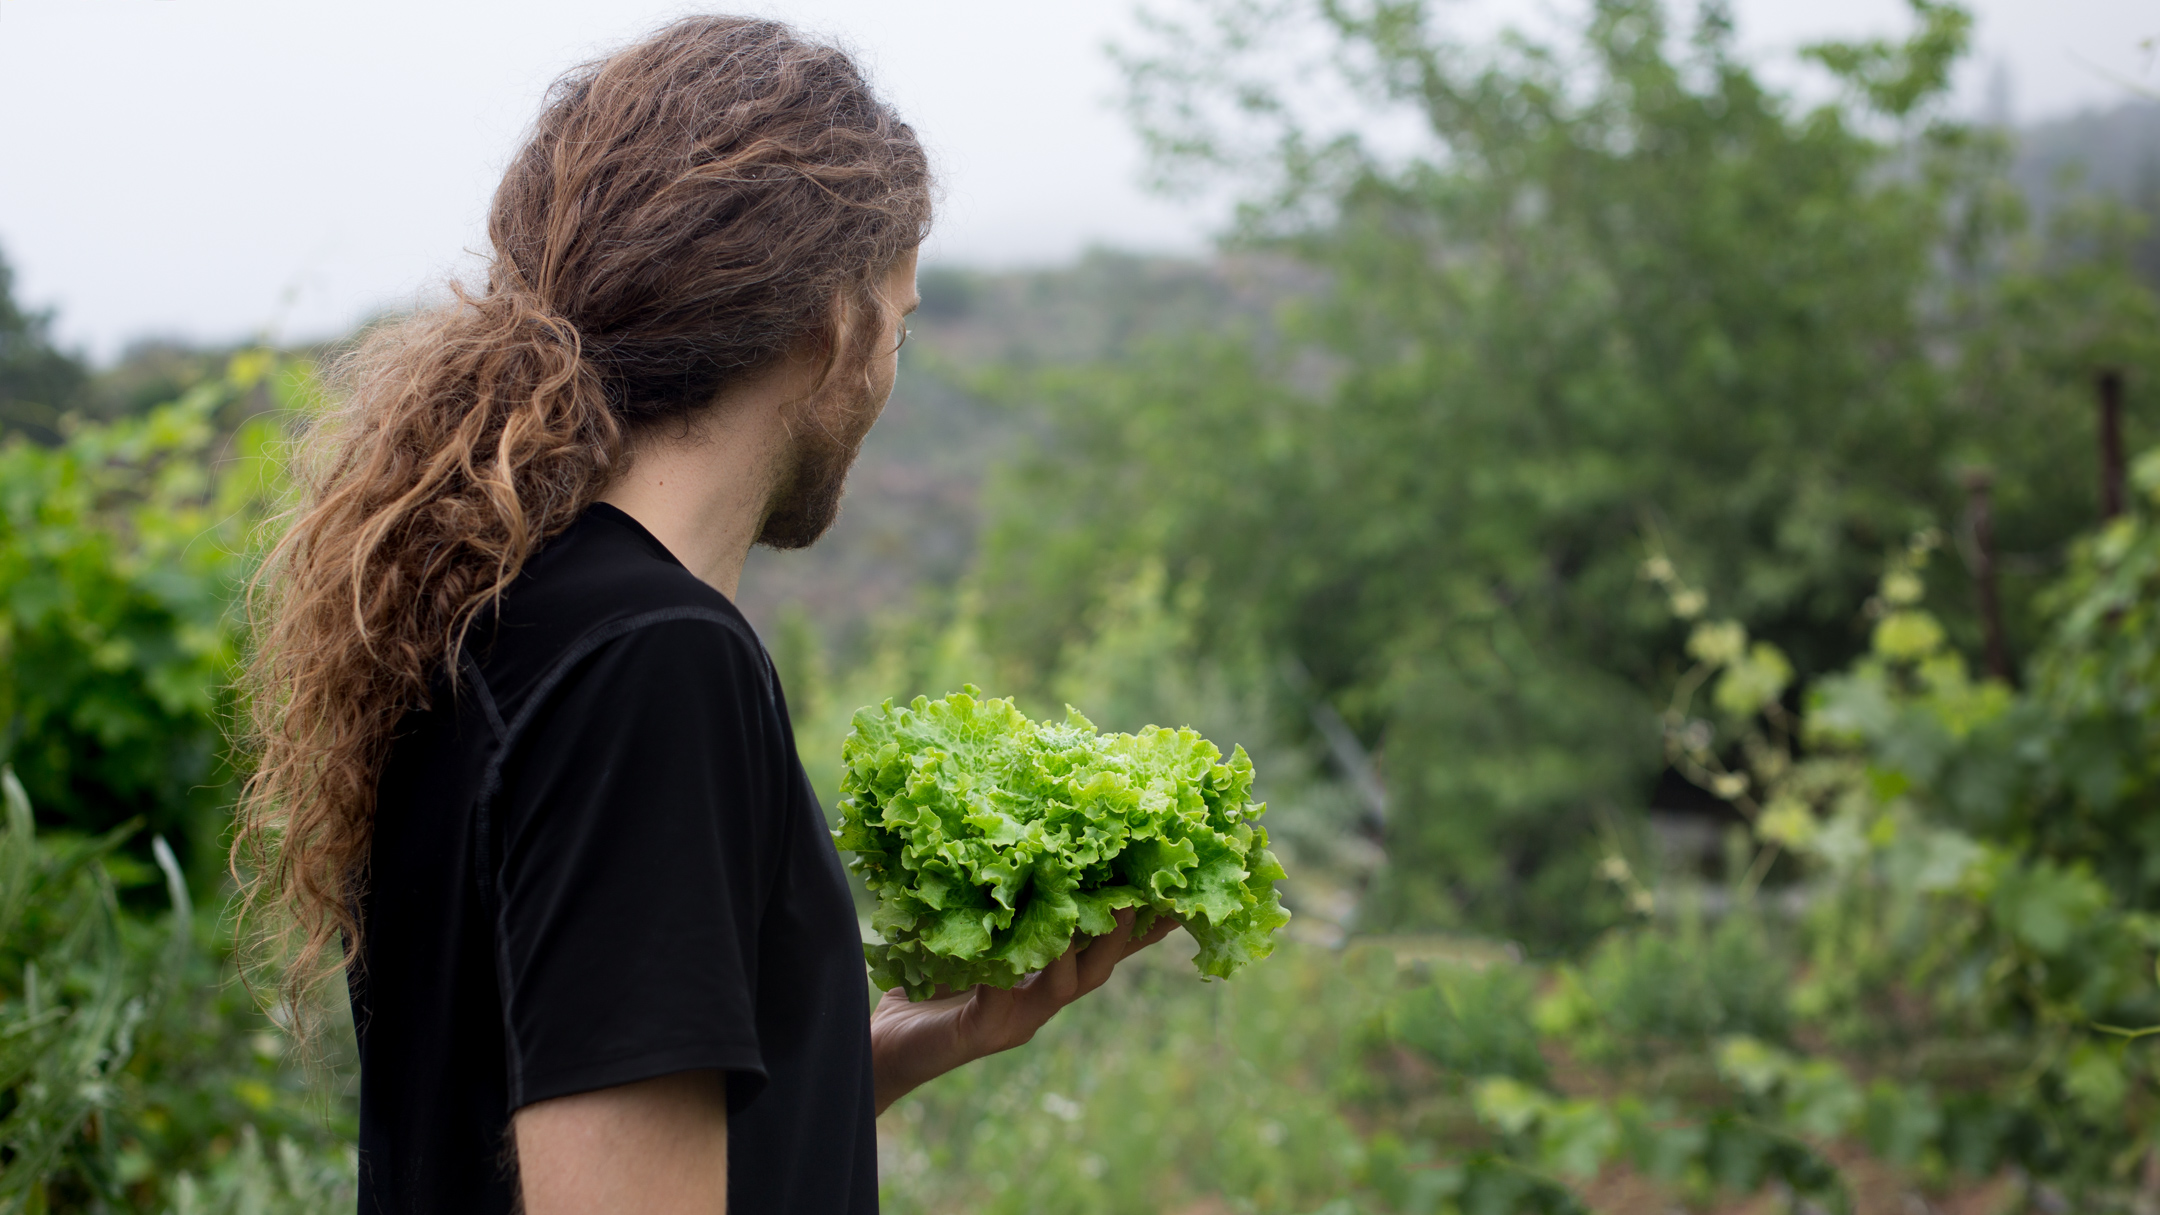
(913, 1042)
(912, 1049)
(892, 1083)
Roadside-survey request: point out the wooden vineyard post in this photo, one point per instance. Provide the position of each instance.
(2111, 443)
(1980, 518)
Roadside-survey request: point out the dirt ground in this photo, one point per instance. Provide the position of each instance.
(1876, 1190)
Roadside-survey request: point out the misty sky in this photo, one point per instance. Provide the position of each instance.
(211, 169)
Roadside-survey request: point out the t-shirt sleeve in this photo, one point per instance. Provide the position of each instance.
(639, 814)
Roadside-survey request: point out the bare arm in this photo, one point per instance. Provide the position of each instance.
(915, 1041)
(660, 1145)
(657, 1146)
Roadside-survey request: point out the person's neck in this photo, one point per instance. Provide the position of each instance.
(702, 485)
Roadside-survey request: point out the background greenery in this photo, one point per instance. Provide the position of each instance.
(1566, 495)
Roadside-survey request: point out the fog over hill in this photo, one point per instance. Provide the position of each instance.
(909, 523)
(2116, 151)
(910, 520)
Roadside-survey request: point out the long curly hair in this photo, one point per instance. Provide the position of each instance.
(686, 212)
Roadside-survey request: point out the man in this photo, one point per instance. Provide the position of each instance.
(524, 768)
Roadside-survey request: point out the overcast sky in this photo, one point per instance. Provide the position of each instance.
(215, 168)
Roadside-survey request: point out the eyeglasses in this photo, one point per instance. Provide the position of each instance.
(905, 332)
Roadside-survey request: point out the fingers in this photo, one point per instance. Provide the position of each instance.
(1061, 979)
(1164, 926)
(984, 1024)
(1103, 953)
(1011, 1016)
(989, 1006)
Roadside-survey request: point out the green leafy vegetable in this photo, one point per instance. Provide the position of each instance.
(990, 839)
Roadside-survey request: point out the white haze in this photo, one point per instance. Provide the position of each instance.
(212, 169)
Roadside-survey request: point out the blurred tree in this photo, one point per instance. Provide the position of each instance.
(38, 381)
(1613, 297)
(151, 372)
(2114, 151)
(122, 553)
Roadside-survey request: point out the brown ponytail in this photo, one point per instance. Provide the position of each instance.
(686, 212)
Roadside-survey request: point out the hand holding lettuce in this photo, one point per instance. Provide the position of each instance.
(989, 840)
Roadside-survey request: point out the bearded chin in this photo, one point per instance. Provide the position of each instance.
(808, 501)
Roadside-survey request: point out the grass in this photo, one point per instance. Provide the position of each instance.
(1330, 1082)
(1159, 1092)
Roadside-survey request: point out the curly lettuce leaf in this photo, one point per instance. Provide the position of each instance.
(989, 840)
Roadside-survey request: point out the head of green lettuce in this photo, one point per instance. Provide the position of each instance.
(989, 840)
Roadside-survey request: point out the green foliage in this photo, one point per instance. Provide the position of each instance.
(1288, 1091)
(1898, 78)
(1941, 955)
(39, 382)
(1620, 311)
(1470, 1020)
(122, 552)
(130, 1060)
(73, 1005)
(210, 1071)
(1977, 899)
(1609, 289)
(123, 546)
(1148, 1095)
(990, 839)
(1643, 995)
(250, 1182)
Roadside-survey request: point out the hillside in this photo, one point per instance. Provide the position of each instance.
(908, 524)
(910, 518)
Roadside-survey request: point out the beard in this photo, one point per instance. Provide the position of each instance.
(806, 503)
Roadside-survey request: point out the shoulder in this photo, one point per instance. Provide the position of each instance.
(665, 693)
(604, 587)
(650, 681)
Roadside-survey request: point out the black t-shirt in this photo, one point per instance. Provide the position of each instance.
(597, 860)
